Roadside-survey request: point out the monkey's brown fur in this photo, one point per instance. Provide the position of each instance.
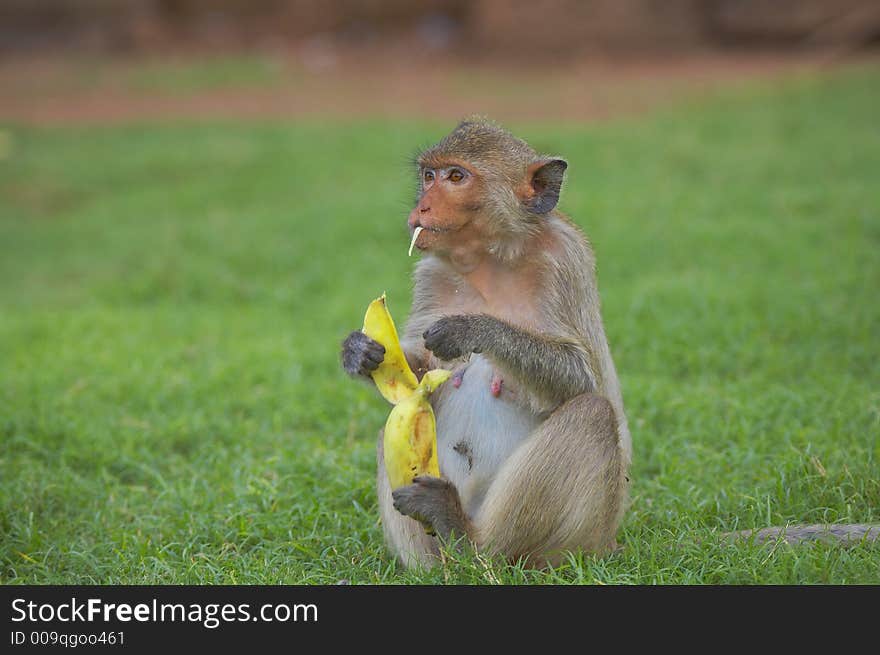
(506, 290)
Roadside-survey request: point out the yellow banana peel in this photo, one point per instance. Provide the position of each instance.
(394, 378)
(411, 434)
(410, 441)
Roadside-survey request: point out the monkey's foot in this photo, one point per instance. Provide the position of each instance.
(434, 502)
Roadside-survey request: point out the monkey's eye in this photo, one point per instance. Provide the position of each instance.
(456, 175)
(428, 176)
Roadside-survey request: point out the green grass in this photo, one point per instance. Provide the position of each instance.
(163, 75)
(172, 409)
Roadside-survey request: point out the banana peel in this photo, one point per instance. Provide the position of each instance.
(410, 440)
(411, 434)
(394, 378)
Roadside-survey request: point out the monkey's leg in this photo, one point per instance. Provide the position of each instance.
(406, 537)
(564, 488)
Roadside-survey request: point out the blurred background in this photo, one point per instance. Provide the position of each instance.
(118, 59)
(493, 26)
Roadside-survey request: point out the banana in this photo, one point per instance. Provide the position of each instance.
(410, 440)
(394, 378)
(411, 434)
(415, 236)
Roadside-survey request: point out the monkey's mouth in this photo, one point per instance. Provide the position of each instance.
(417, 230)
(433, 229)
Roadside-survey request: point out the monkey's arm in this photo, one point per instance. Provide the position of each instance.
(556, 367)
(361, 355)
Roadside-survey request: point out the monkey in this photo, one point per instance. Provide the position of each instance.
(532, 437)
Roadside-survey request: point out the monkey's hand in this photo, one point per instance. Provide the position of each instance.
(361, 355)
(434, 502)
(453, 336)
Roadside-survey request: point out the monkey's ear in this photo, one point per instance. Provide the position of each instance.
(545, 182)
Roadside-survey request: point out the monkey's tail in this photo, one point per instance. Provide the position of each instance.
(847, 534)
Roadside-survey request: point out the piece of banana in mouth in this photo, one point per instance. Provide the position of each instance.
(412, 243)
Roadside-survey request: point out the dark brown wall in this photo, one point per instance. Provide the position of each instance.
(495, 25)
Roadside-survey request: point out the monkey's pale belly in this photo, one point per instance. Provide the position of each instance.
(477, 431)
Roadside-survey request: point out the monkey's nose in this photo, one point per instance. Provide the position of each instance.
(424, 209)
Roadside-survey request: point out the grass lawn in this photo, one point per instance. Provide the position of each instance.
(172, 298)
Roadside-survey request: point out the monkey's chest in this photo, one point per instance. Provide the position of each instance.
(480, 422)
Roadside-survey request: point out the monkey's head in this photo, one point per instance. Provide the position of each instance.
(483, 189)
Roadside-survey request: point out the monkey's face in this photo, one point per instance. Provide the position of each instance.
(482, 191)
(448, 209)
